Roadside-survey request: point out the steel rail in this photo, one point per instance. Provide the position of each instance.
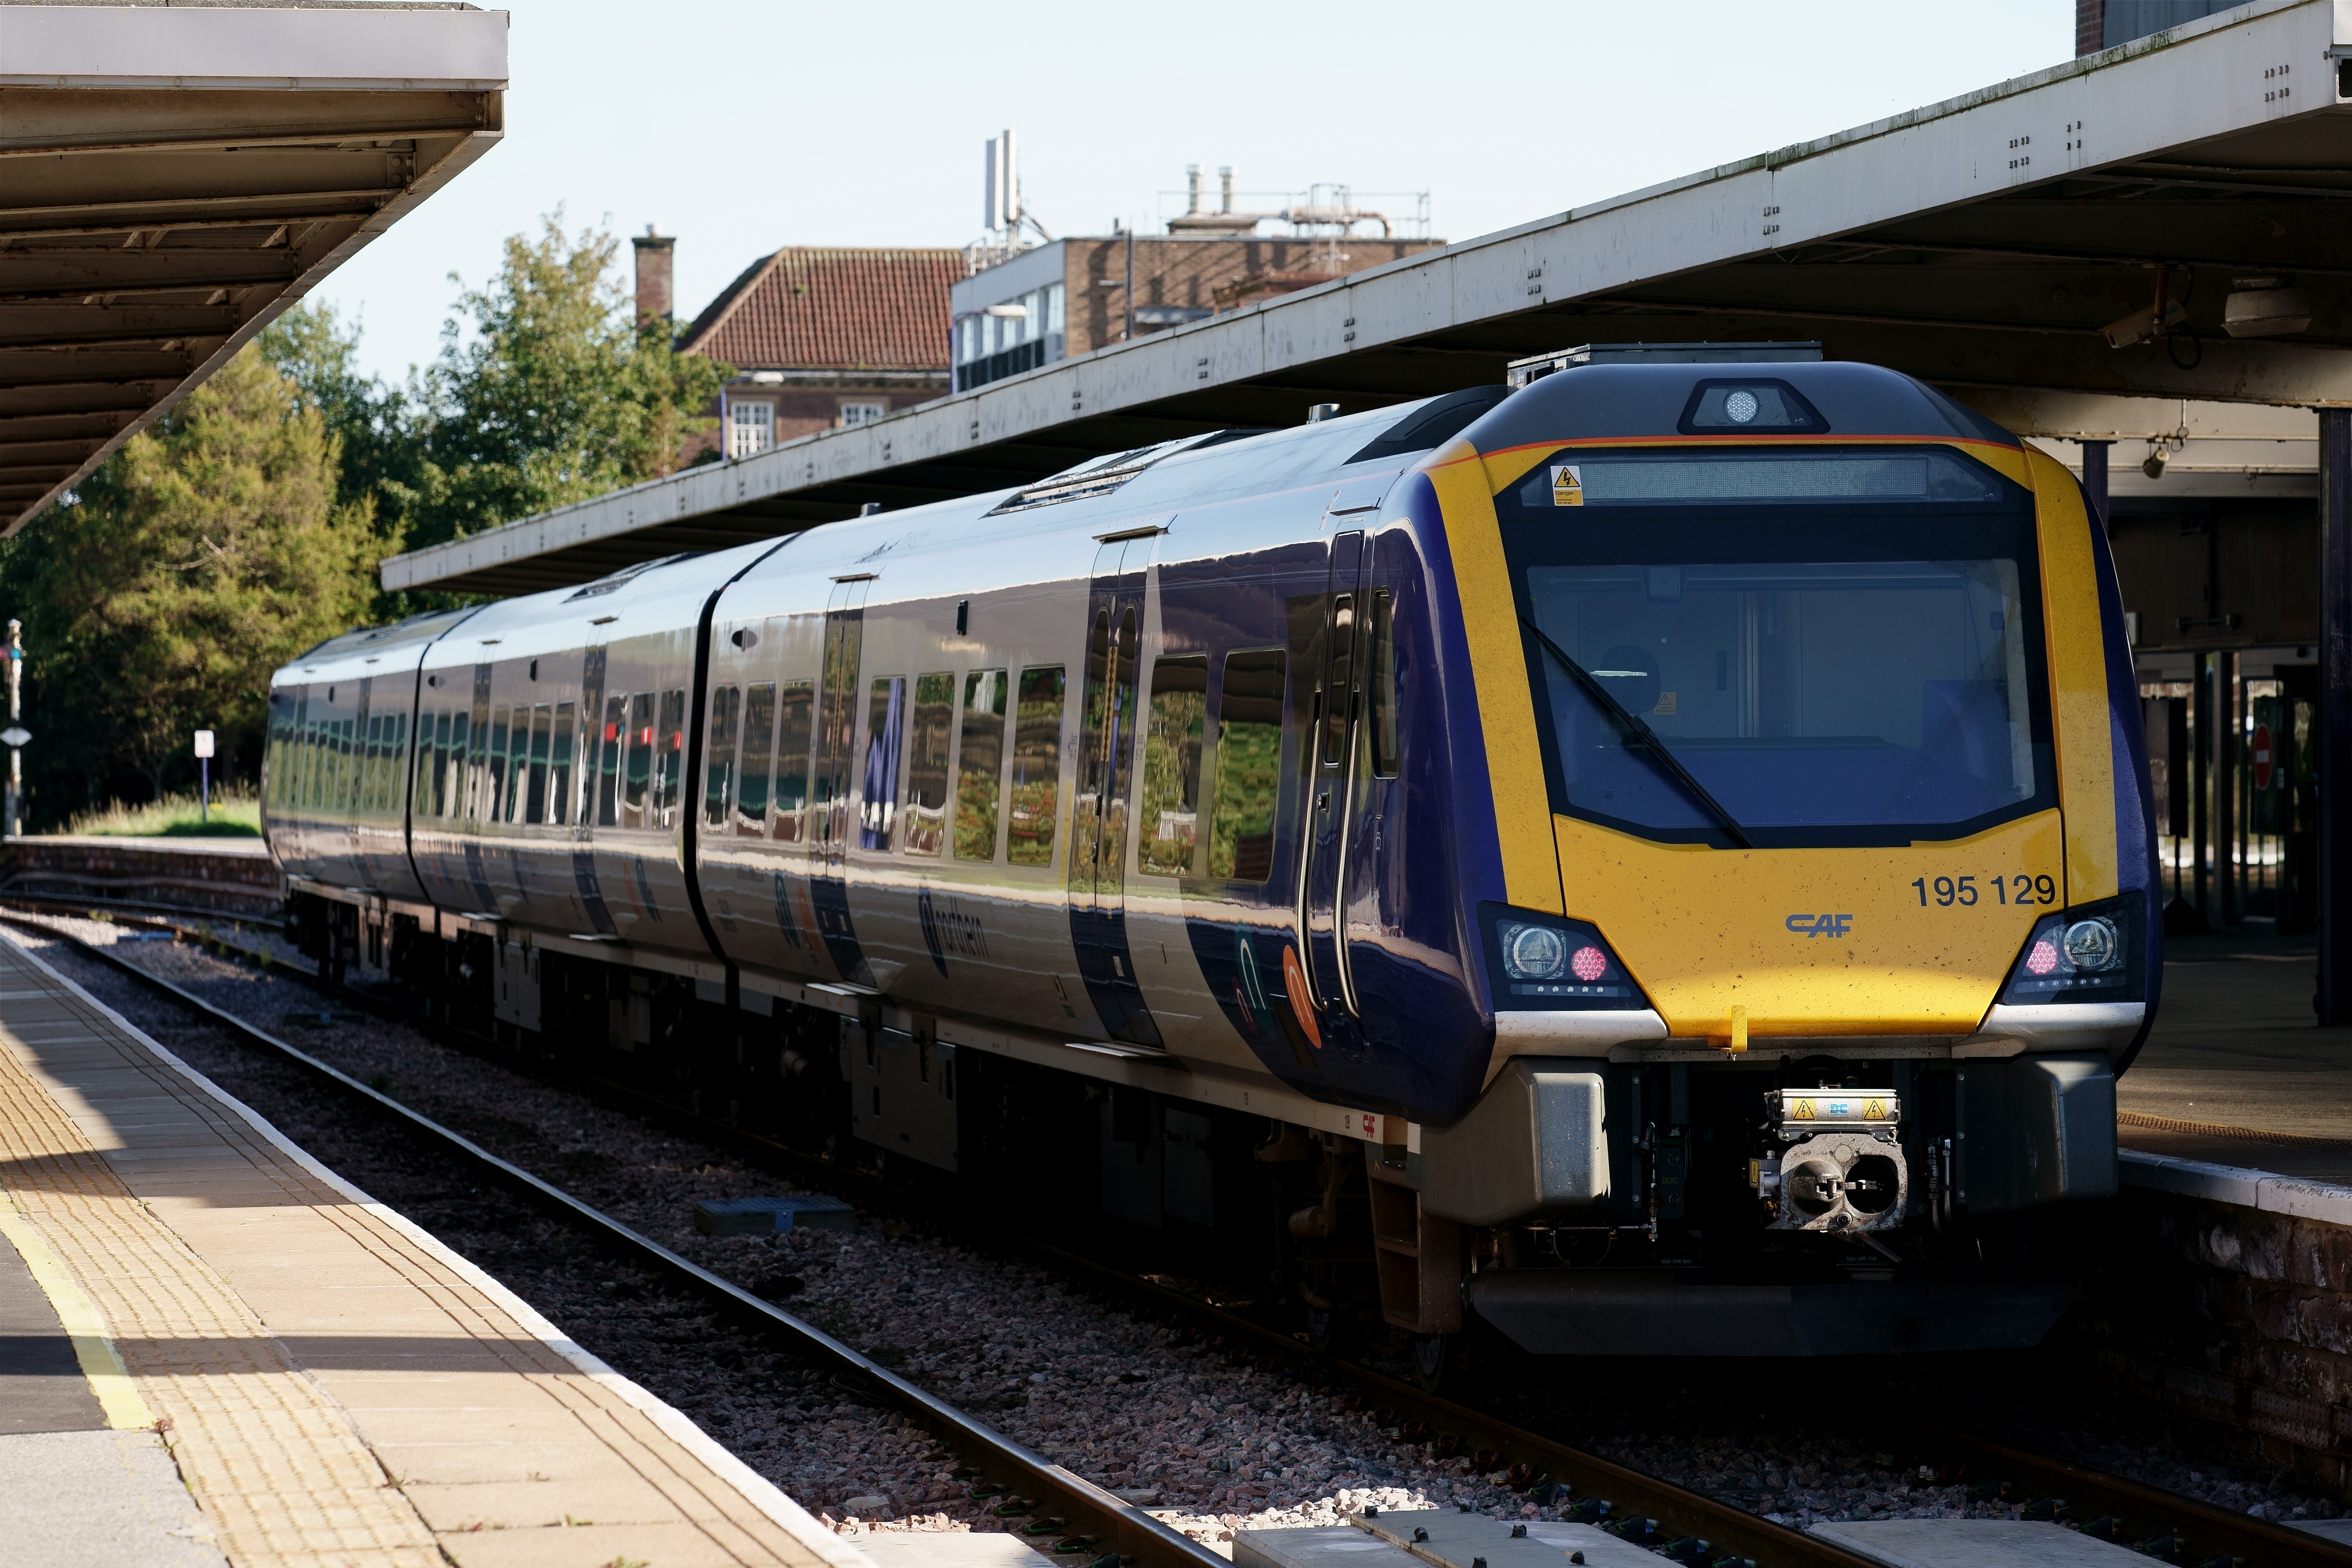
(2137, 1513)
(2196, 1532)
(1124, 1527)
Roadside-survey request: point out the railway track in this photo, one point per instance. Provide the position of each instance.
(1681, 1525)
(1105, 1521)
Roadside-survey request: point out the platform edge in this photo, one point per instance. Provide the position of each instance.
(756, 1488)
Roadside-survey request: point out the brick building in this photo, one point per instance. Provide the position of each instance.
(1072, 295)
(820, 337)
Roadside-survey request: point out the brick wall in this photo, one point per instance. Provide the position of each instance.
(1194, 272)
(2090, 25)
(2229, 1320)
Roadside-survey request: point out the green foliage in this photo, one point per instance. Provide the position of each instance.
(235, 814)
(547, 392)
(157, 599)
(247, 524)
(313, 350)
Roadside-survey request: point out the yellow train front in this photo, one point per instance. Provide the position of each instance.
(1824, 914)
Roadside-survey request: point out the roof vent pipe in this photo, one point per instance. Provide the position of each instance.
(1225, 178)
(1192, 189)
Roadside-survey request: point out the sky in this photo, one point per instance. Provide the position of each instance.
(741, 127)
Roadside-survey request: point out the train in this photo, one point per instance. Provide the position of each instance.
(1650, 858)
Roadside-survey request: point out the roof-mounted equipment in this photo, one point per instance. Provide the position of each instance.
(1101, 476)
(1523, 371)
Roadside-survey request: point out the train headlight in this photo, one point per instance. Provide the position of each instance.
(2093, 945)
(2095, 953)
(1545, 961)
(1533, 952)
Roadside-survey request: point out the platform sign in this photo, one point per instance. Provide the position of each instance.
(2263, 765)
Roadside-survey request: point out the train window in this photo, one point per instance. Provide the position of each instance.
(726, 704)
(371, 752)
(494, 801)
(461, 724)
(1168, 827)
(395, 763)
(615, 741)
(1380, 681)
(933, 729)
(1835, 646)
(354, 760)
(1036, 768)
(796, 729)
(542, 721)
(637, 776)
(886, 721)
(559, 762)
(1249, 765)
(758, 759)
(437, 758)
(519, 764)
(1340, 690)
(980, 764)
(670, 761)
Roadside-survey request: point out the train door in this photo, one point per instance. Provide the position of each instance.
(833, 813)
(1107, 739)
(1332, 778)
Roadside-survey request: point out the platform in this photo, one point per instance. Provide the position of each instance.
(192, 1296)
(230, 875)
(2236, 1073)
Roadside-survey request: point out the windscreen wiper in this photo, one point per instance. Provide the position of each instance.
(1641, 736)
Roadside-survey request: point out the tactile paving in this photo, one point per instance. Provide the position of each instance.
(335, 1385)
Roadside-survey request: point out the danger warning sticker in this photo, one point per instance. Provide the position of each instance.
(1567, 485)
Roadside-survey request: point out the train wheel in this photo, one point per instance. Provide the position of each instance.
(1432, 1358)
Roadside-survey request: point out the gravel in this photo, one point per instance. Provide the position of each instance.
(1209, 1446)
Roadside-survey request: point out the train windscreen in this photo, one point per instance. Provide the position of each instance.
(1826, 646)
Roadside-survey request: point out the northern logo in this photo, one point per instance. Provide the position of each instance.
(1819, 925)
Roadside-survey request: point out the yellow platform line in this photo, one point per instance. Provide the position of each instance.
(117, 1396)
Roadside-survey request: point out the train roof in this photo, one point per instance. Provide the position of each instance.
(1602, 401)
(369, 644)
(1630, 401)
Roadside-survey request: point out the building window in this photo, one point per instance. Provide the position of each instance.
(751, 428)
(991, 347)
(862, 413)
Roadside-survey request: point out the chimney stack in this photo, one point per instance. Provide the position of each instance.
(654, 296)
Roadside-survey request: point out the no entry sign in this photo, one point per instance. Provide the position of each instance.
(2262, 766)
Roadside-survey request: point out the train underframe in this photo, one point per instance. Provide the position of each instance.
(1771, 1205)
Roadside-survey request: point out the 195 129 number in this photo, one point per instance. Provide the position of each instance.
(2019, 889)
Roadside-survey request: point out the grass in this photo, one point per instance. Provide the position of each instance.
(236, 814)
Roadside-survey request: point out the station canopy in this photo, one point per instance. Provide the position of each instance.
(173, 176)
(2082, 230)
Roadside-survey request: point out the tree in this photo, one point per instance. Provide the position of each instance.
(548, 391)
(158, 597)
(312, 349)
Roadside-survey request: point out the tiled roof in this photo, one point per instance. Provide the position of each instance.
(820, 308)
